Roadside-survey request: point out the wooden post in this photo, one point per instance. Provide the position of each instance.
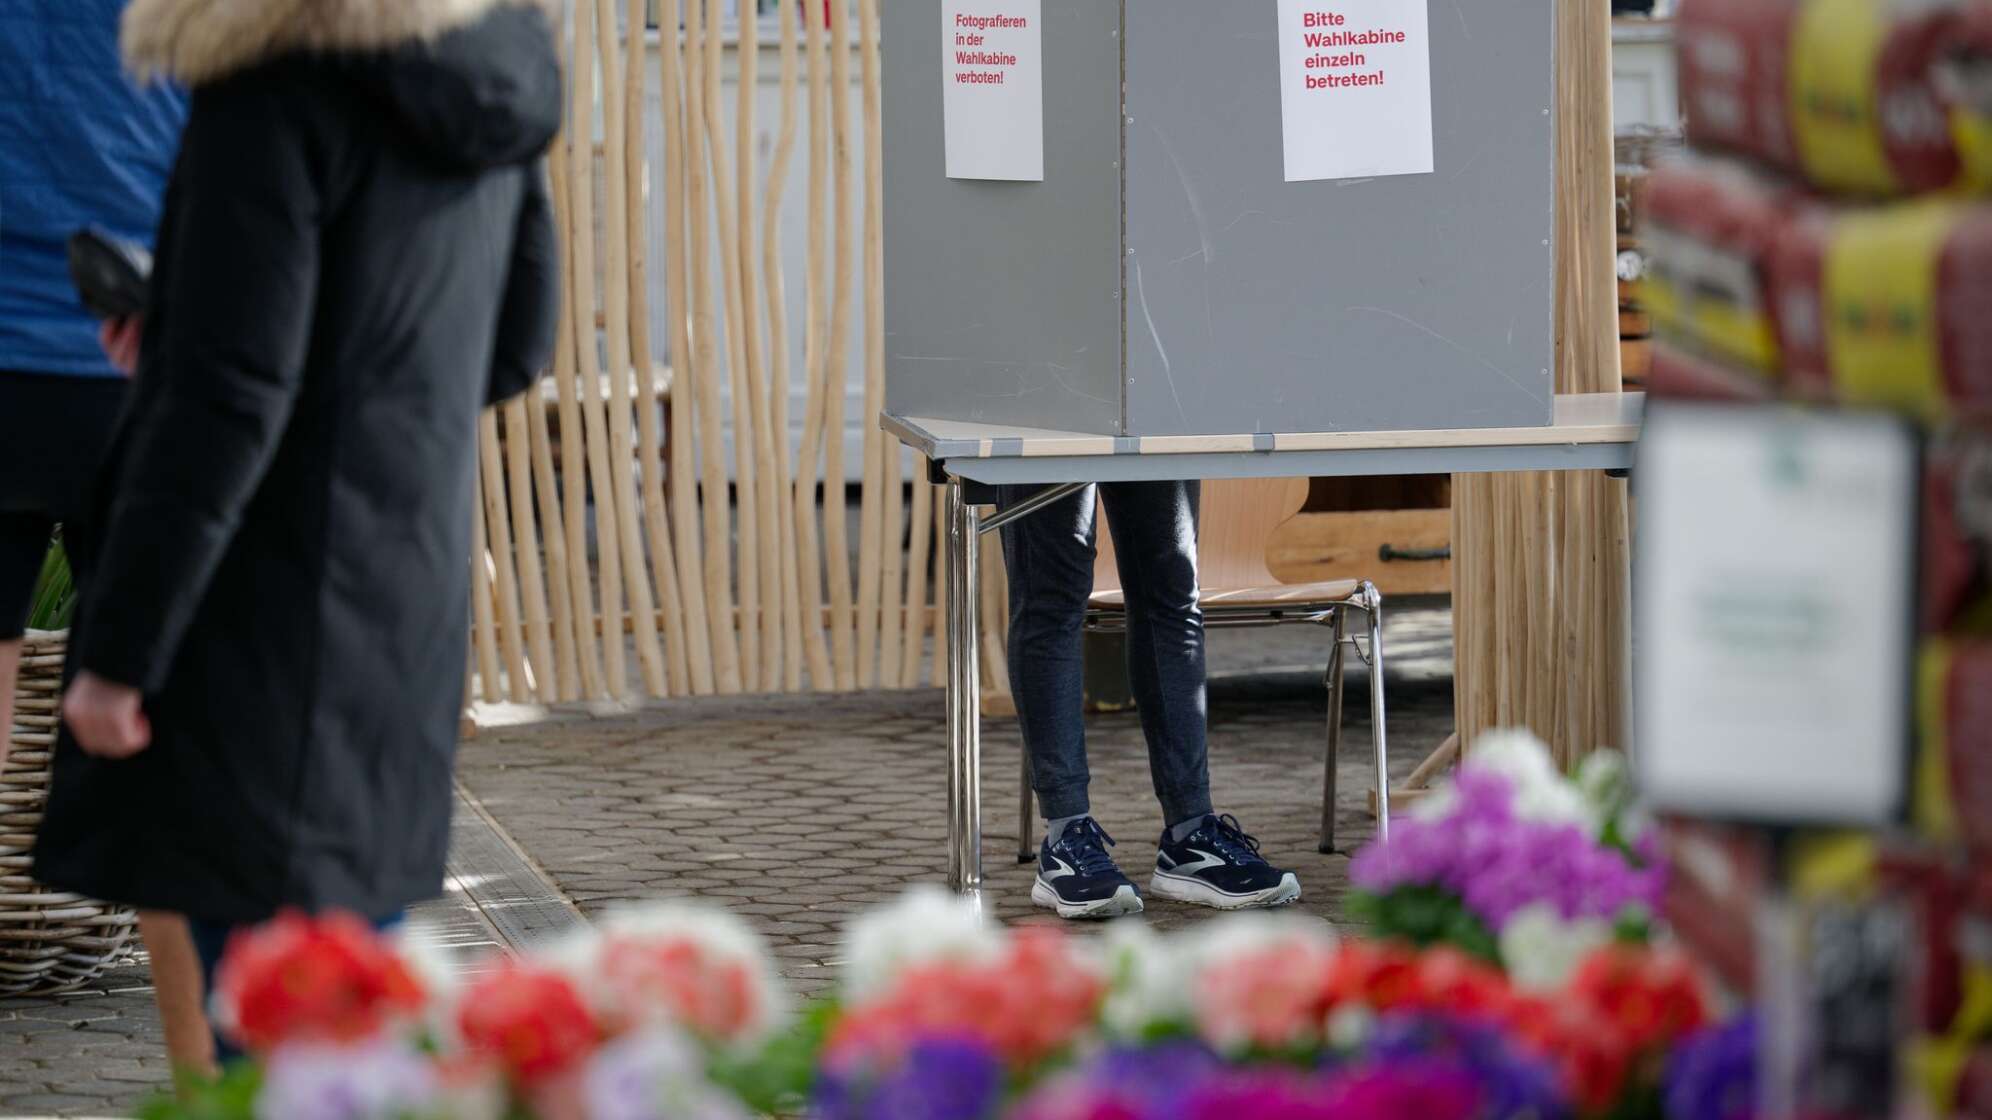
(636, 192)
(809, 557)
(702, 631)
(573, 474)
(498, 534)
(713, 485)
(1562, 537)
(525, 539)
(776, 298)
(835, 534)
(621, 482)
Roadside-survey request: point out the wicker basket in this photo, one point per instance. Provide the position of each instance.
(49, 940)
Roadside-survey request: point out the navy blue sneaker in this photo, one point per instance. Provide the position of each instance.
(1077, 878)
(1219, 866)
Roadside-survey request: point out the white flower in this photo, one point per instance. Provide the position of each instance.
(654, 1074)
(1147, 981)
(1540, 792)
(719, 937)
(926, 924)
(1541, 950)
(1349, 1026)
(379, 1079)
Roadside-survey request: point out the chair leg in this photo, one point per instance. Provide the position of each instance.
(1333, 679)
(1026, 851)
(1374, 599)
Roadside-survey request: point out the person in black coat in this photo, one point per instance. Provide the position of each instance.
(356, 256)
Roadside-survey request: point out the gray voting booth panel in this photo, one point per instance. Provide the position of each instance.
(1194, 291)
(1002, 299)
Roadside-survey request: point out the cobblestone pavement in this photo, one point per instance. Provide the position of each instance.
(800, 811)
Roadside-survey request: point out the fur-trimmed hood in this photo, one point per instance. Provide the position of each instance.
(198, 41)
(476, 83)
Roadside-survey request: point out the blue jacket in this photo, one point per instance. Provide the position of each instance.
(81, 144)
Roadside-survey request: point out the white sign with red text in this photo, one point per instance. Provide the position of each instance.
(1355, 88)
(993, 89)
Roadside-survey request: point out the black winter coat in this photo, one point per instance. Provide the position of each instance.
(356, 256)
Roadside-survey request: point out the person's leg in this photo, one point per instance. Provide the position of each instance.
(1155, 544)
(178, 983)
(1049, 559)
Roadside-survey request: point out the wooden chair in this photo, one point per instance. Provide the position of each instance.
(1237, 522)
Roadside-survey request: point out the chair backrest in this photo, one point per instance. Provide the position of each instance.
(1236, 525)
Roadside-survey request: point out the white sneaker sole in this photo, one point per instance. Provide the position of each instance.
(1122, 902)
(1196, 892)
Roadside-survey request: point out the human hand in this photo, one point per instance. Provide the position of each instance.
(105, 717)
(119, 338)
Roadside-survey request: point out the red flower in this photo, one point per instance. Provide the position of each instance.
(1026, 1004)
(531, 1020)
(327, 978)
(1653, 998)
(1587, 1050)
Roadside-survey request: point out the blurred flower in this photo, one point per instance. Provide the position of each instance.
(932, 1079)
(378, 1079)
(299, 978)
(1508, 1080)
(528, 1018)
(1146, 987)
(927, 924)
(693, 967)
(1713, 1075)
(1124, 1083)
(1267, 1095)
(1034, 997)
(1540, 791)
(1652, 996)
(654, 1074)
(1263, 980)
(1541, 950)
(1398, 1089)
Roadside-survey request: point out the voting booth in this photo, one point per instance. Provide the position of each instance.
(1203, 217)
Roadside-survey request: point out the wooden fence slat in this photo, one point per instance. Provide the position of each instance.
(734, 330)
(573, 450)
(498, 532)
(560, 591)
(714, 489)
(581, 289)
(836, 535)
(525, 541)
(621, 454)
(702, 630)
(877, 539)
(776, 298)
(484, 631)
(809, 557)
(656, 523)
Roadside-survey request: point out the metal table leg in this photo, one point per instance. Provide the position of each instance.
(964, 698)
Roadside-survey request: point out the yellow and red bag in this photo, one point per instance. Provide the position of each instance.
(1710, 230)
(1868, 97)
(1888, 306)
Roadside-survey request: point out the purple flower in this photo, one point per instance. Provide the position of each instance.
(1507, 1081)
(1498, 863)
(1266, 1095)
(377, 1080)
(938, 1079)
(1125, 1083)
(1420, 1087)
(1713, 1074)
